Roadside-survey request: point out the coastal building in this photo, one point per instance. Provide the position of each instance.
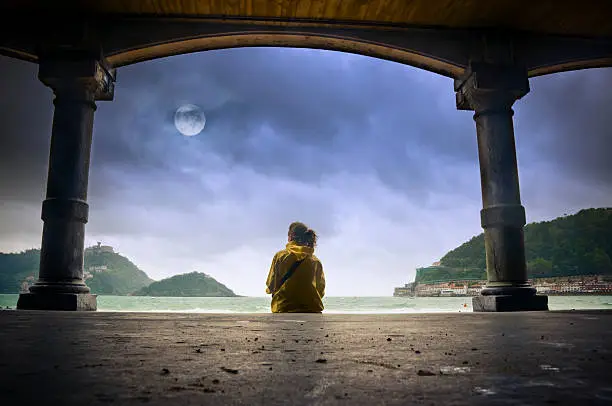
(97, 268)
(568, 285)
(90, 271)
(99, 248)
(406, 290)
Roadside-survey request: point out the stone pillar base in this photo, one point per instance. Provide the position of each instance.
(508, 303)
(57, 301)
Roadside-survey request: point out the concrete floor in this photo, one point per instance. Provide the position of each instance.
(67, 358)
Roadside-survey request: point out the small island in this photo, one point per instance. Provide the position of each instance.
(194, 284)
(108, 273)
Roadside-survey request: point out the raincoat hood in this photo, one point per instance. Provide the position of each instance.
(300, 251)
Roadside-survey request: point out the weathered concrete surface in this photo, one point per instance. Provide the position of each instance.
(67, 358)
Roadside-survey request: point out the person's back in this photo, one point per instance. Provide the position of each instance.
(296, 280)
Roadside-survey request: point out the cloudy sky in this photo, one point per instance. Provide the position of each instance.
(372, 154)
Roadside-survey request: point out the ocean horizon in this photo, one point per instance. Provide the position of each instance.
(333, 305)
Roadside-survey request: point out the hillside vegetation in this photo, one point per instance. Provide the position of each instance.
(579, 244)
(120, 278)
(15, 267)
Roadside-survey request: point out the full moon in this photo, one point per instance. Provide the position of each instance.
(189, 119)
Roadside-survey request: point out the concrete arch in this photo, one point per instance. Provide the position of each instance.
(571, 66)
(285, 39)
(438, 54)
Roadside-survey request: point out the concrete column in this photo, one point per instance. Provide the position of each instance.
(77, 80)
(490, 91)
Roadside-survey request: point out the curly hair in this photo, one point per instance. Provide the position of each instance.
(302, 235)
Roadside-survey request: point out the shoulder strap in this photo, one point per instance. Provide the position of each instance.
(290, 272)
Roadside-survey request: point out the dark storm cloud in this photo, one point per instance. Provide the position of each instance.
(302, 114)
(567, 120)
(25, 131)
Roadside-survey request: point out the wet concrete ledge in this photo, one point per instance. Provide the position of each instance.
(68, 358)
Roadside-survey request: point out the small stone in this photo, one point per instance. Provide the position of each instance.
(229, 370)
(389, 339)
(198, 350)
(165, 371)
(417, 351)
(420, 372)
(222, 349)
(474, 349)
(321, 361)
(465, 362)
(370, 370)
(256, 338)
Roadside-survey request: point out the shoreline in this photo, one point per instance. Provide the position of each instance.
(539, 293)
(387, 305)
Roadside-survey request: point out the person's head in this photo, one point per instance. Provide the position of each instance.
(300, 234)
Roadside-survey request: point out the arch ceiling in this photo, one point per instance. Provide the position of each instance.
(438, 35)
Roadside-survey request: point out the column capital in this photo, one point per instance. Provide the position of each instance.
(77, 72)
(487, 87)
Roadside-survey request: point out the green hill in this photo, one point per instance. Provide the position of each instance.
(580, 244)
(189, 284)
(114, 275)
(120, 278)
(16, 267)
(446, 273)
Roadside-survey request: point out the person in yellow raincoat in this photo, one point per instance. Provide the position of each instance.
(296, 280)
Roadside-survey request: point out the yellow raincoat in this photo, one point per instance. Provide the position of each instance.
(303, 291)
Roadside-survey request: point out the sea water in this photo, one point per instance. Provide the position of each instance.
(342, 305)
